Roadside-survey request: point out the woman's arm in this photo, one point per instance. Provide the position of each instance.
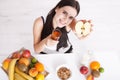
(37, 30)
(39, 44)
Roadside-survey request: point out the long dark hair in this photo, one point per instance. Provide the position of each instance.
(48, 26)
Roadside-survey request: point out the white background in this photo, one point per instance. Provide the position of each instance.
(17, 18)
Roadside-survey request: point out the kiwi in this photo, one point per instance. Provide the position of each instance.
(22, 67)
(95, 73)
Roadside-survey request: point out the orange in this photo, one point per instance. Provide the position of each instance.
(89, 77)
(40, 77)
(39, 66)
(94, 65)
(33, 72)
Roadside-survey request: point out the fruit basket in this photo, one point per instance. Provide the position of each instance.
(21, 65)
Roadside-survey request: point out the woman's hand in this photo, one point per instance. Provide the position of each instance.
(50, 41)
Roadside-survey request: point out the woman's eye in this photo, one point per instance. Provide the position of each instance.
(64, 12)
(71, 18)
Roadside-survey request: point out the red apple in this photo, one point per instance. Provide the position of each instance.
(16, 55)
(84, 70)
(84, 21)
(26, 53)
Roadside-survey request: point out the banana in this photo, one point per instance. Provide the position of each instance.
(19, 77)
(15, 79)
(11, 69)
(23, 74)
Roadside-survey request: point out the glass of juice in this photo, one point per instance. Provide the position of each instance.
(56, 34)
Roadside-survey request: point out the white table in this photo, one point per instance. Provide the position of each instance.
(52, 61)
(109, 60)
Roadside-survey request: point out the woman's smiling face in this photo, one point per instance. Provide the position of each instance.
(64, 16)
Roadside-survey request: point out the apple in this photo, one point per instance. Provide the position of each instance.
(84, 70)
(16, 55)
(26, 53)
(84, 21)
(83, 28)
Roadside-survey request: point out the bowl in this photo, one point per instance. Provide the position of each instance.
(64, 72)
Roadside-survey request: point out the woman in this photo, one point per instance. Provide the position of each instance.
(59, 17)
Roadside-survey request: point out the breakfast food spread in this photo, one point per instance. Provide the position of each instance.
(21, 65)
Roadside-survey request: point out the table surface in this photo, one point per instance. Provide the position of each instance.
(108, 60)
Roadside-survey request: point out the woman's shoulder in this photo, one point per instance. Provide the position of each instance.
(38, 21)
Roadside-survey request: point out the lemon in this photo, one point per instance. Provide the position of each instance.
(40, 77)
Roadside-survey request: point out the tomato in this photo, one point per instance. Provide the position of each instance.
(26, 53)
